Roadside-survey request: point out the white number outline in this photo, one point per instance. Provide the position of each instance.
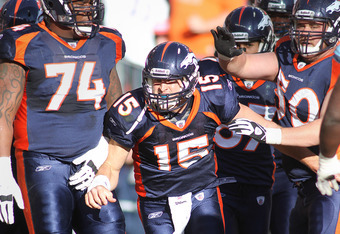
(307, 94)
(84, 92)
(184, 157)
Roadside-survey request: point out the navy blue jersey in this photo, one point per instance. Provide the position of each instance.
(172, 159)
(65, 88)
(241, 156)
(301, 89)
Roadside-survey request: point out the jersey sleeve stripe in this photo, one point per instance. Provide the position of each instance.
(21, 46)
(335, 74)
(119, 44)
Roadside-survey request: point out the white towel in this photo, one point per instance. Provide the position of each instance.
(180, 211)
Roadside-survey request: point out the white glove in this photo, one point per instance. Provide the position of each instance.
(9, 189)
(92, 160)
(256, 131)
(328, 167)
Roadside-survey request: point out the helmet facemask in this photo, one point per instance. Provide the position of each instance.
(301, 39)
(164, 103)
(84, 19)
(323, 16)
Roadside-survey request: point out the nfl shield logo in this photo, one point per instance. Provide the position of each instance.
(260, 200)
(180, 123)
(199, 196)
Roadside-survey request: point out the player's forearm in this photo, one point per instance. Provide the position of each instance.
(233, 66)
(301, 154)
(330, 127)
(304, 136)
(262, 66)
(329, 137)
(114, 162)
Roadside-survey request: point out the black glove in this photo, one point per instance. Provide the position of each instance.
(248, 128)
(225, 43)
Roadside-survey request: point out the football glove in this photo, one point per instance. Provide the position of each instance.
(328, 167)
(256, 131)
(9, 189)
(91, 161)
(225, 43)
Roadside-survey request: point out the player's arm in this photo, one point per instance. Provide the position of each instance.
(115, 88)
(106, 180)
(329, 170)
(12, 82)
(247, 120)
(262, 66)
(330, 126)
(302, 154)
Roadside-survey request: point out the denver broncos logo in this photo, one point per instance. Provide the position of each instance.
(190, 59)
(334, 7)
(265, 21)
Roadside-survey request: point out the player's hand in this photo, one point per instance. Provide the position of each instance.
(99, 194)
(248, 128)
(259, 133)
(91, 161)
(225, 43)
(328, 169)
(9, 190)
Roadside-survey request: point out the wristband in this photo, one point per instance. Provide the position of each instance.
(6, 165)
(223, 57)
(327, 160)
(273, 136)
(100, 180)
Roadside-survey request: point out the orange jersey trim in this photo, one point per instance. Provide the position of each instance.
(80, 43)
(195, 107)
(21, 44)
(20, 125)
(257, 84)
(118, 42)
(23, 188)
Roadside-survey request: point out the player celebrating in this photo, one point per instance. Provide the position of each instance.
(302, 67)
(170, 124)
(58, 77)
(241, 157)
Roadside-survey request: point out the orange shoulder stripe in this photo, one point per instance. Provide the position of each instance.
(119, 43)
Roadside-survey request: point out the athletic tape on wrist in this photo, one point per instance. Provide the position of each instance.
(328, 160)
(100, 180)
(273, 136)
(223, 57)
(5, 165)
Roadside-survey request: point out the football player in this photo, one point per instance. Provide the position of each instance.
(302, 67)
(58, 78)
(279, 12)
(284, 193)
(247, 203)
(170, 125)
(15, 12)
(12, 13)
